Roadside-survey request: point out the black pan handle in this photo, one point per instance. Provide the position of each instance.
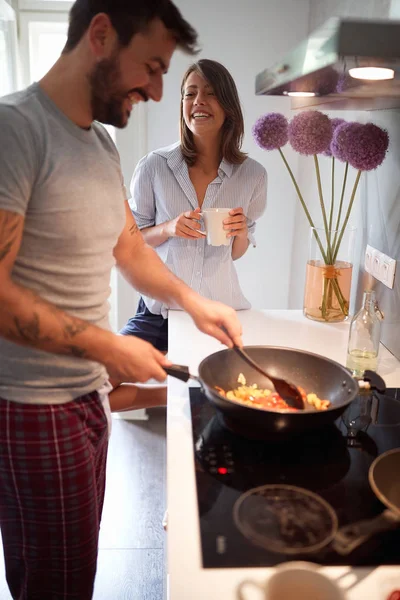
(372, 381)
(179, 372)
(349, 537)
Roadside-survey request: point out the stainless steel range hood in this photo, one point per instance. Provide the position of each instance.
(322, 62)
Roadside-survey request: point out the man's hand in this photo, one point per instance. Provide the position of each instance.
(131, 360)
(186, 225)
(236, 223)
(210, 317)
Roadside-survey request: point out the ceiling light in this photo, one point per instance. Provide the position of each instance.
(372, 73)
(300, 94)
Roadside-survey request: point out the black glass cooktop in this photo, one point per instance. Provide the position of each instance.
(261, 503)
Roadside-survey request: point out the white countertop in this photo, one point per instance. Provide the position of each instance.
(187, 346)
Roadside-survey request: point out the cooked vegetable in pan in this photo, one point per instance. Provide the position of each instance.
(252, 395)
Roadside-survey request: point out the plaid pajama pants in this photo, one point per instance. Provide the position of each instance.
(52, 480)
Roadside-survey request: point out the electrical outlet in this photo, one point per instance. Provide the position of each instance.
(376, 265)
(388, 270)
(380, 266)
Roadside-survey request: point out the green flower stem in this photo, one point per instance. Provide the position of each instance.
(346, 170)
(335, 284)
(304, 207)
(341, 299)
(324, 299)
(332, 285)
(332, 196)
(321, 200)
(330, 292)
(353, 194)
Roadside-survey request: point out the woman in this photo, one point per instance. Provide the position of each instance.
(170, 187)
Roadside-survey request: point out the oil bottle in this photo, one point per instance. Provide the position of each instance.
(364, 336)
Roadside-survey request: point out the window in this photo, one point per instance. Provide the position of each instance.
(46, 5)
(46, 42)
(8, 49)
(43, 36)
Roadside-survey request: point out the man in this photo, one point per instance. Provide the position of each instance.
(64, 222)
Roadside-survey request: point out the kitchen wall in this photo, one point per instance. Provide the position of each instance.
(245, 37)
(380, 220)
(377, 211)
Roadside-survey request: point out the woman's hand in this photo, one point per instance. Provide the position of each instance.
(186, 225)
(236, 223)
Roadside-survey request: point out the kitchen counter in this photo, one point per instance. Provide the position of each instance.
(187, 579)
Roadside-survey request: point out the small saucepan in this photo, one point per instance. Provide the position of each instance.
(326, 378)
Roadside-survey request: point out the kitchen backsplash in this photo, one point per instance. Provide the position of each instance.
(379, 211)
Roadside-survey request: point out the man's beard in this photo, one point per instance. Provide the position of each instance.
(107, 97)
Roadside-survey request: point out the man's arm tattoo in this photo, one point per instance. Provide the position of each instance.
(28, 331)
(78, 352)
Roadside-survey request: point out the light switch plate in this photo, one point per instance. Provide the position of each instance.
(380, 266)
(388, 270)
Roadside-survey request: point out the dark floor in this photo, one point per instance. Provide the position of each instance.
(131, 556)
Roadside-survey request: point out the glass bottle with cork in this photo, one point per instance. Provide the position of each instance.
(364, 336)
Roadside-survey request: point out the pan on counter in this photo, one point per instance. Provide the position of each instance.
(315, 374)
(384, 480)
(262, 514)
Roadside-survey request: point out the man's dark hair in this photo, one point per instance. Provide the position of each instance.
(128, 18)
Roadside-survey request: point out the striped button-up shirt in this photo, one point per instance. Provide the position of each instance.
(161, 190)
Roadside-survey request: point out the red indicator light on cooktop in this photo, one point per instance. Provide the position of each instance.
(222, 470)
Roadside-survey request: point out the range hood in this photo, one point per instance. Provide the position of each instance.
(321, 65)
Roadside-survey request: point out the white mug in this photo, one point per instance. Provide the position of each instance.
(214, 225)
(297, 580)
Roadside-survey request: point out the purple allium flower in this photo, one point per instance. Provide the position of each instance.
(341, 139)
(310, 132)
(345, 82)
(270, 131)
(335, 123)
(362, 146)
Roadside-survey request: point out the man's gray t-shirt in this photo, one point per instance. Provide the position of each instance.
(67, 183)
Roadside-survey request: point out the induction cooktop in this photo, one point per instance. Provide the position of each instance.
(261, 503)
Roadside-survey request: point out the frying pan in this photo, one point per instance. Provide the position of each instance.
(322, 376)
(290, 520)
(384, 480)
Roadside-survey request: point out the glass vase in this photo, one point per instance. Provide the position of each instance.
(328, 275)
